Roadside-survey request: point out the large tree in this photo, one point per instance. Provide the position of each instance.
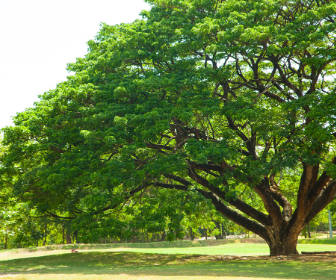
(223, 98)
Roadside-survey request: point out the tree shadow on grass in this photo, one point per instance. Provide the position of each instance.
(115, 263)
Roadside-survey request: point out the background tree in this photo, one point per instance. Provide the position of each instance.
(216, 98)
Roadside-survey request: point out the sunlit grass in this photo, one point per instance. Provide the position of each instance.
(179, 262)
(318, 241)
(230, 249)
(234, 249)
(101, 265)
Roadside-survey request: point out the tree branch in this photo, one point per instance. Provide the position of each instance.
(322, 201)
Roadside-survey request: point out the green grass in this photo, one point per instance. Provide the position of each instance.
(227, 249)
(165, 244)
(185, 247)
(318, 241)
(96, 264)
(162, 262)
(235, 249)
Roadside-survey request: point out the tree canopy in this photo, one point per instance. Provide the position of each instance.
(230, 100)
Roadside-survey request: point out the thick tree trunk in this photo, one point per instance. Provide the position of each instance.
(288, 247)
(280, 244)
(280, 235)
(281, 226)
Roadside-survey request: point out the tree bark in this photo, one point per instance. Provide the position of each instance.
(223, 231)
(45, 234)
(63, 233)
(68, 235)
(191, 234)
(133, 236)
(280, 227)
(6, 239)
(220, 235)
(76, 236)
(284, 247)
(308, 229)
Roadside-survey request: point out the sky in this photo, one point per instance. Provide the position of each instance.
(39, 37)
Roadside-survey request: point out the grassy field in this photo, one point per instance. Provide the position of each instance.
(230, 249)
(318, 241)
(162, 261)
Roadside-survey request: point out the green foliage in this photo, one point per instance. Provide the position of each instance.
(198, 96)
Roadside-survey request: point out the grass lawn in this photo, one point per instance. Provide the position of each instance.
(234, 249)
(199, 262)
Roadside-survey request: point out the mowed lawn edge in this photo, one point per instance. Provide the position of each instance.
(164, 244)
(155, 264)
